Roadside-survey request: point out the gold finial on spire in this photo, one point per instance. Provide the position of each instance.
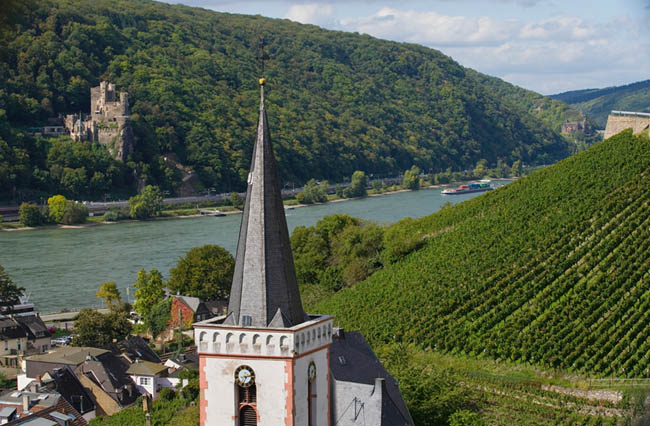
(262, 81)
(262, 57)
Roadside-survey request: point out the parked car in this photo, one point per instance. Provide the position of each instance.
(62, 341)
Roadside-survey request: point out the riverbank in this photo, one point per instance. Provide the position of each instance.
(182, 213)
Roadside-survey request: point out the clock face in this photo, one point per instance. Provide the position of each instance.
(311, 371)
(244, 376)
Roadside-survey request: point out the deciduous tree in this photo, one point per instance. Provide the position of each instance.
(9, 292)
(109, 292)
(148, 291)
(205, 272)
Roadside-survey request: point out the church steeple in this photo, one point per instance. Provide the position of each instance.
(264, 289)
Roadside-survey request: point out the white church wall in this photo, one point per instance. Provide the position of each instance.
(271, 379)
(355, 404)
(321, 387)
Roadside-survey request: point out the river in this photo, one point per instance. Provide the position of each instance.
(62, 268)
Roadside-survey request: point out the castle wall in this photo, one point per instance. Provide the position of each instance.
(108, 122)
(617, 123)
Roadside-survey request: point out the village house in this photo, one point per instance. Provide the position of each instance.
(192, 309)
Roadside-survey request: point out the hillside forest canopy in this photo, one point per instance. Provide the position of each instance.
(338, 102)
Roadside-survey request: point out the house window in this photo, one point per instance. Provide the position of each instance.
(6, 345)
(145, 381)
(18, 344)
(45, 347)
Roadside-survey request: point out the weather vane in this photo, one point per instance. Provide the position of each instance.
(262, 57)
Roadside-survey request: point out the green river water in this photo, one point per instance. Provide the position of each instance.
(63, 268)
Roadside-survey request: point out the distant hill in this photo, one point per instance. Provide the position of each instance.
(598, 103)
(551, 269)
(337, 102)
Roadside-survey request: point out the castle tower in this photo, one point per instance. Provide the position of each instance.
(265, 363)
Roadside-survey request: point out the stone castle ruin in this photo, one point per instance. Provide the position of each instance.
(108, 122)
(618, 121)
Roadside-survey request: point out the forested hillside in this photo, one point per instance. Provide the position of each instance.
(337, 102)
(552, 270)
(598, 103)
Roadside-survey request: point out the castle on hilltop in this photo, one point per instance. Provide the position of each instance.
(108, 123)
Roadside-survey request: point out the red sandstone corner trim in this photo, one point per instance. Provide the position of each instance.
(203, 386)
(329, 404)
(289, 388)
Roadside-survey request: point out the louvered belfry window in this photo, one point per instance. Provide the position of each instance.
(247, 416)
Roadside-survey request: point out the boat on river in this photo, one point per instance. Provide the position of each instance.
(480, 186)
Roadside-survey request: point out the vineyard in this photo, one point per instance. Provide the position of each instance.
(550, 270)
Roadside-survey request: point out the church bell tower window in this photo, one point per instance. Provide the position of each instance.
(311, 393)
(246, 395)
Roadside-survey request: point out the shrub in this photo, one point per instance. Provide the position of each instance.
(166, 394)
(111, 215)
(30, 214)
(237, 201)
(56, 205)
(74, 213)
(313, 192)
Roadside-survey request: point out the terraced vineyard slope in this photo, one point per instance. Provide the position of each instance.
(551, 270)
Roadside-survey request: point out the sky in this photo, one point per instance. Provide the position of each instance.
(548, 46)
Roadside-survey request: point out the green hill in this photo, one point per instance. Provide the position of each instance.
(552, 270)
(598, 103)
(339, 102)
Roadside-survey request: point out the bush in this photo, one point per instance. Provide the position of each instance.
(111, 215)
(313, 192)
(30, 214)
(166, 394)
(465, 418)
(57, 205)
(74, 213)
(237, 201)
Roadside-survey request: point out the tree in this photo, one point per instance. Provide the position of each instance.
(481, 168)
(30, 214)
(357, 187)
(502, 169)
(74, 213)
(313, 192)
(98, 330)
(205, 272)
(57, 205)
(146, 204)
(159, 316)
(109, 292)
(516, 168)
(9, 292)
(411, 179)
(148, 291)
(237, 201)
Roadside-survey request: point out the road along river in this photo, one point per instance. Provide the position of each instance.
(61, 269)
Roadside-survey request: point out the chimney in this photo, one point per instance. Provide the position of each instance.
(380, 385)
(25, 402)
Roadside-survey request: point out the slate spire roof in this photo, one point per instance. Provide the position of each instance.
(264, 289)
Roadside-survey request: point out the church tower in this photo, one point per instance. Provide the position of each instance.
(265, 363)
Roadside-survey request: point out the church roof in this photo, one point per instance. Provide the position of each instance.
(352, 360)
(264, 290)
